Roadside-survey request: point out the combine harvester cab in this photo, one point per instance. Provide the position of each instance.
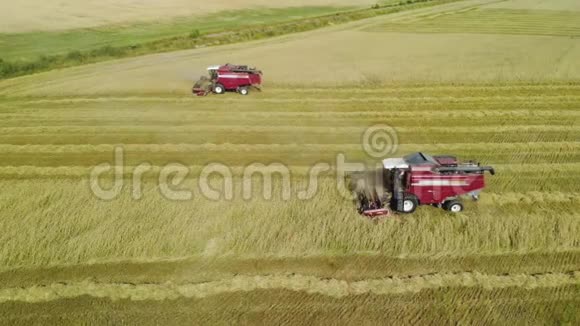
(228, 78)
(421, 179)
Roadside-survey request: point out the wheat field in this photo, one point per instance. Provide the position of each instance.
(486, 80)
(51, 15)
(57, 234)
(534, 150)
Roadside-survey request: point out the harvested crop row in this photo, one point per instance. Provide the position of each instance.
(300, 283)
(242, 155)
(460, 306)
(414, 90)
(264, 128)
(275, 103)
(402, 123)
(18, 117)
(534, 147)
(340, 267)
(250, 138)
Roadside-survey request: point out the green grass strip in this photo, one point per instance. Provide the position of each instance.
(211, 36)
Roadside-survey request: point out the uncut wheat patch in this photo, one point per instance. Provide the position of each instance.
(550, 179)
(61, 222)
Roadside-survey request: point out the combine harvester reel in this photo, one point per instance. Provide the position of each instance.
(418, 179)
(202, 87)
(228, 78)
(371, 194)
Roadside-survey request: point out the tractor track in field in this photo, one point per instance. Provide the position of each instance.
(298, 283)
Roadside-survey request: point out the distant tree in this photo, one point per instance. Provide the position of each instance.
(195, 34)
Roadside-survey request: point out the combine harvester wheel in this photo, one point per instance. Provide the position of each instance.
(219, 89)
(243, 91)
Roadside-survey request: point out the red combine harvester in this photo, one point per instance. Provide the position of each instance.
(228, 78)
(418, 179)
